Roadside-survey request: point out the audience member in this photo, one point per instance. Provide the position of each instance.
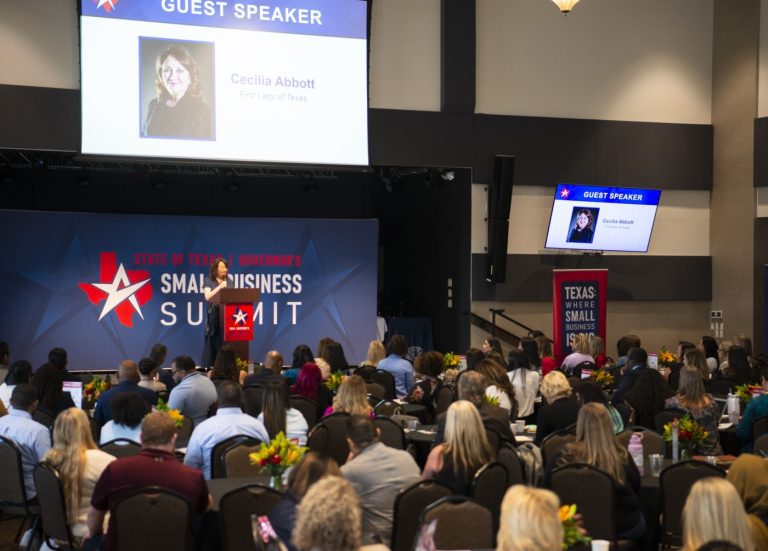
(19, 372)
(377, 472)
(427, 367)
(524, 381)
(50, 388)
(278, 415)
(580, 354)
(159, 353)
(302, 354)
(499, 388)
(271, 370)
(376, 353)
(589, 392)
(57, 357)
(597, 445)
(148, 374)
(32, 438)
(5, 358)
(352, 398)
(746, 343)
(79, 463)
(156, 465)
(334, 357)
(694, 400)
(722, 358)
(597, 350)
(708, 346)
(491, 344)
(194, 393)
(127, 411)
(474, 356)
(547, 357)
(647, 397)
(757, 407)
(465, 450)
(636, 363)
(695, 358)
(471, 388)
(494, 356)
(311, 468)
(309, 384)
(560, 410)
(128, 381)
(396, 364)
(325, 369)
(529, 521)
(623, 346)
(229, 421)
(672, 375)
(714, 512)
(225, 367)
(530, 348)
(749, 475)
(738, 368)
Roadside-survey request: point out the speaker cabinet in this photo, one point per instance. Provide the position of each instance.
(500, 190)
(498, 231)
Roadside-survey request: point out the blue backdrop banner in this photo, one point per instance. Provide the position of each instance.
(108, 287)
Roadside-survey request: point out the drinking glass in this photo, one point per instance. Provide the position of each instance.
(656, 461)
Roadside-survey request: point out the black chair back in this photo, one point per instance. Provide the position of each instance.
(675, 482)
(759, 427)
(252, 400)
(121, 447)
(44, 417)
(488, 487)
(187, 426)
(626, 412)
(554, 442)
(308, 409)
(218, 467)
(235, 510)
(409, 504)
(720, 545)
(443, 400)
(152, 518)
(392, 434)
(720, 387)
(653, 442)
(385, 379)
(461, 524)
(53, 507)
(364, 372)
(593, 493)
(237, 460)
(330, 437)
(577, 369)
(375, 391)
(12, 488)
(760, 446)
(507, 456)
(664, 417)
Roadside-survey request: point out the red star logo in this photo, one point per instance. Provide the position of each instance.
(109, 5)
(123, 291)
(564, 193)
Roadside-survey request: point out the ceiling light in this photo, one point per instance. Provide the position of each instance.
(565, 6)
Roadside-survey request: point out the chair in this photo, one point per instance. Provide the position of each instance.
(152, 518)
(235, 510)
(653, 442)
(593, 492)
(237, 461)
(719, 545)
(330, 437)
(44, 417)
(53, 508)
(218, 467)
(95, 428)
(375, 390)
(759, 427)
(121, 447)
(409, 504)
(554, 442)
(461, 523)
(187, 426)
(488, 487)
(664, 417)
(364, 372)
(252, 400)
(388, 408)
(443, 400)
(577, 369)
(392, 434)
(385, 379)
(508, 457)
(761, 445)
(675, 482)
(308, 409)
(13, 491)
(720, 387)
(627, 413)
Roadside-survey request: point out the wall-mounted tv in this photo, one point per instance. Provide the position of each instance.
(280, 82)
(602, 218)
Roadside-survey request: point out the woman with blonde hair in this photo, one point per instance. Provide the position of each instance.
(693, 399)
(581, 353)
(597, 350)
(376, 353)
(749, 475)
(695, 358)
(714, 512)
(560, 410)
(465, 450)
(529, 521)
(79, 463)
(597, 445)
(352, 398)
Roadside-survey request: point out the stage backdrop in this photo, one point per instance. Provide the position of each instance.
(108, 287)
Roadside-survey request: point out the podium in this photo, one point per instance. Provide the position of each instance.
(236, 307)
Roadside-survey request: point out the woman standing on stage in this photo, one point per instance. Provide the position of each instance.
(215, 282)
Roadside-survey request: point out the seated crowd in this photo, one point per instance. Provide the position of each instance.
(470, 433)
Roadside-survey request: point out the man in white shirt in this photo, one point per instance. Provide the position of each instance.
(229, 421)
(32, 438)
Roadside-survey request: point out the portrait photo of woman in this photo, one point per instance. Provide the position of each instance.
(177, 109)
(583, 229)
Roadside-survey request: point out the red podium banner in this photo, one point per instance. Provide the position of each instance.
(579, 304)
(238, 322)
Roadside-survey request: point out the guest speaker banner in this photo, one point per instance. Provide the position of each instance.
(578, 306)
(108, 287)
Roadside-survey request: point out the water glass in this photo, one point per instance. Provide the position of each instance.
(520, 426)
(413, 424)
(601, 545)
(711, 459)
(656, 461)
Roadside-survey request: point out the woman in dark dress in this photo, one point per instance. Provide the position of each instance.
(215, 282)
(465, 450)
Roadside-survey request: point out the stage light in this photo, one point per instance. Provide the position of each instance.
(448, 175)
(566, 5)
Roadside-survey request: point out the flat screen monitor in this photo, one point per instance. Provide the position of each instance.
(602, 218)
(283, 82)
(75, 389)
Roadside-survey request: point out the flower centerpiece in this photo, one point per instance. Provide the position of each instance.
(602, 377)
(276, 457)
(241, 364)
(333, 382)
(175, 414)
(93, 390)
(573, 533)
(451, 363)
(667, 359)
(492, 400)
(689, 434)
(746, 393)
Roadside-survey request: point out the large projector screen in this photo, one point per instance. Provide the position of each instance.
(284, 82)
